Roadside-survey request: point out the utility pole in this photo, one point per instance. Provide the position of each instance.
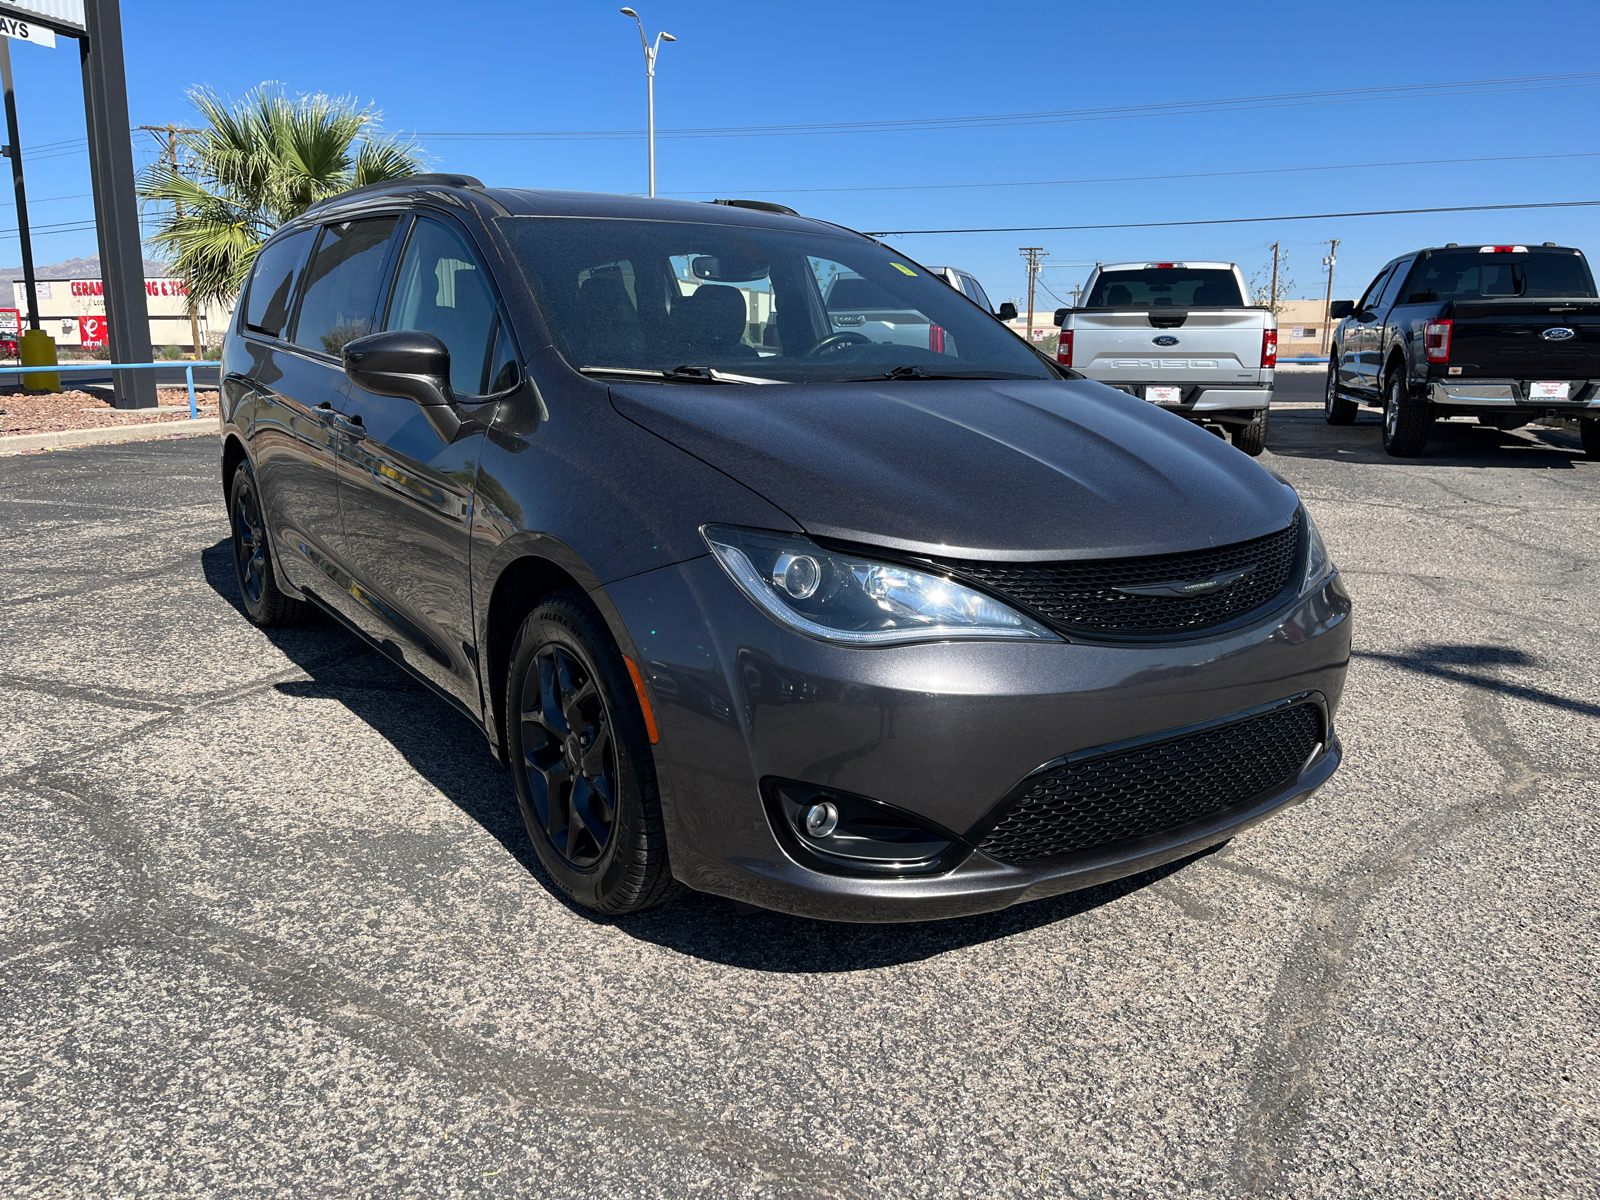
(1327, 300)
(1035, 255)
(13, 150)
(170, 154)
(1272, 296)
(650, 54)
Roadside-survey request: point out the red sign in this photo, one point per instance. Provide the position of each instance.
(92, 331)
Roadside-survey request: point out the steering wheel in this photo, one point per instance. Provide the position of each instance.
(834, 341)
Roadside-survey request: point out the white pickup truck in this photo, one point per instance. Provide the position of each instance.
(1180, 335)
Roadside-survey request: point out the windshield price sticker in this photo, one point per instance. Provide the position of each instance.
(25, 31)
(902, 267)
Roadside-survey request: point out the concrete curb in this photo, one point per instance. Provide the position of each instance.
(68, 438)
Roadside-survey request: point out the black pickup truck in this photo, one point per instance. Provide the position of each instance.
(1506, 334)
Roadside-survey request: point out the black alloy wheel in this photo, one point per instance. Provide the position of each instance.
(264, 602)
(581, 759)
(1589, 430)
(1406, 422)
(1252, 438)
(1336, 410)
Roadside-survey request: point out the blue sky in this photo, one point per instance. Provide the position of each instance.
(490, 66)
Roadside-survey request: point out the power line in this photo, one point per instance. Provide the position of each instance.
(937, 187)
(1465, 87)
(1377, 212)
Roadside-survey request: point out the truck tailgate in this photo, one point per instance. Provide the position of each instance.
(1508, 338)
(1198, 345)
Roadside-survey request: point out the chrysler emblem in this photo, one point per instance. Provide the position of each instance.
(1166, 340)
(1559, 334)
(1191, 587)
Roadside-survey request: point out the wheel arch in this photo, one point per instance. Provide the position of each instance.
(233, 453)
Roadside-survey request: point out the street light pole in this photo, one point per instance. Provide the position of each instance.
(650, 53)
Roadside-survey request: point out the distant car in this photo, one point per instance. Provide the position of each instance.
(1182, 336)
(1506, 334)
(966, 284)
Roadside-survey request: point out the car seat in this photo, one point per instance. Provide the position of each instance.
(712, 321)
(1118, 294)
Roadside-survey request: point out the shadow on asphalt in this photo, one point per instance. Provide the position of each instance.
(444, 748)
(1445, 662)
(1302, 433)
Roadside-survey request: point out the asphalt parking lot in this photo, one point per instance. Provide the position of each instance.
(270, 925)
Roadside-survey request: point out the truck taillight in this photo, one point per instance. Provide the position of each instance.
(1436, 340)
(1269, 348)
(1064, 348)
(936, 338)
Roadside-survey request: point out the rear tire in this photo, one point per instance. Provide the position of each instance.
(580, 756)
(1252, 438)
(264, 602)
(1407, 424)
(1336, 410)
(1589, 431)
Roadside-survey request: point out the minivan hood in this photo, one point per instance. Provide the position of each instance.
(1024, 469)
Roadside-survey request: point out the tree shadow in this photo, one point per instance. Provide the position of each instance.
(1447, 662)
(447, 750)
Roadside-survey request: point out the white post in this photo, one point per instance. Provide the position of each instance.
(650, 53)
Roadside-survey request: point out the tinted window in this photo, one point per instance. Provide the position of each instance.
(272, 284)
(503, 370)
(1392, 288)
(1369, 298)
(1157, 287)
(1475, 276)
(442, 289)
(341, 289)
(795, 305)
(981, 296)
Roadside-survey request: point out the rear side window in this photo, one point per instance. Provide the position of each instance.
(442, 289)
(272, 284)
(1475, 276)
(1166, 287)
(341, 288)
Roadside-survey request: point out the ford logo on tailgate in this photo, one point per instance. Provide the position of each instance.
(1559, 334)
(1165, 341)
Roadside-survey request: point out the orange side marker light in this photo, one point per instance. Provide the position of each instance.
(644, 701)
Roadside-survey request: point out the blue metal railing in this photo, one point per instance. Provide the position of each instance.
(100, 367)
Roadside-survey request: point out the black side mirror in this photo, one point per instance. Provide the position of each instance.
(410, 364)
(1340, 309)
(1008, 311)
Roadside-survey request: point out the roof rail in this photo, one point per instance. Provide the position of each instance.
(760, 206)
(399, 181)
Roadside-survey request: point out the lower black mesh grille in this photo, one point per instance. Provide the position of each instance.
(1082, 597)
(1151, 788)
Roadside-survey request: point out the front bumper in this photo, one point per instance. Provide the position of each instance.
(943, 731)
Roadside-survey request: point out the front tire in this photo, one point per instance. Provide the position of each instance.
(264, 602)
(1336, 410)
(581, 759)
(1252, 438)
(1406, 424)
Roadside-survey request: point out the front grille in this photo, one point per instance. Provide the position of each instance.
(1080, 597)
(1142, 791)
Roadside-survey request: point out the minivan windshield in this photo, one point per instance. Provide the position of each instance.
(753, 303)
(1166, 287)
(1477, 276)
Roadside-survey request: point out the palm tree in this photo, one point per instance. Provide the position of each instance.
(253, 166)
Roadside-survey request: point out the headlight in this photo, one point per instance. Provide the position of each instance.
(1318, 565)
(841, 598)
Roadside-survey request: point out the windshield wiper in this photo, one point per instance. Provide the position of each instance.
(914, 372)
(678, 375)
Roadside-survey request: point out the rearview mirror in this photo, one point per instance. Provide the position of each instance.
(1007, 312)
(410, 364)
(725, 268)
(1340, 309)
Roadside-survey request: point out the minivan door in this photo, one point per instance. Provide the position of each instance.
(405, 493)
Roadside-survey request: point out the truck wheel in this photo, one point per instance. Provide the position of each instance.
(1406, 423)
(1252, 438)
(1336, 410)
(1589, 430)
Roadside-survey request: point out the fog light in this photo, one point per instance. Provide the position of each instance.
(821, 819)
